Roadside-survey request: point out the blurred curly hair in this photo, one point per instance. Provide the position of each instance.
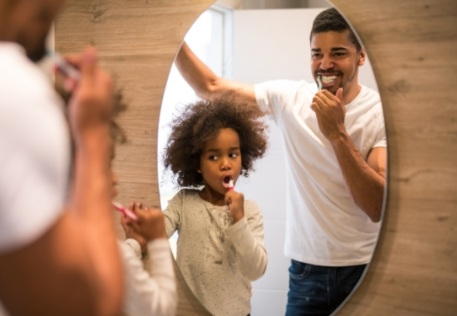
(117, 133)
(200, 122)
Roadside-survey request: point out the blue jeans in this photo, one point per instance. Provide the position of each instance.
(316, 290)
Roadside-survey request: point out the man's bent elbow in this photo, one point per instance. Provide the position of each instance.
(375, 214)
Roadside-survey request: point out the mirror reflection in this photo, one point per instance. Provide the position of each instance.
(320, 186)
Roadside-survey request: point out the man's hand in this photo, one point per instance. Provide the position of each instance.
(90, 107)
(330, 112)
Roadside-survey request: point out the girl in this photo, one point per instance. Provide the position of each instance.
(220, 247)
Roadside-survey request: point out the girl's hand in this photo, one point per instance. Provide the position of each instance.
(150, 223)
(235, 202)
(130, 233)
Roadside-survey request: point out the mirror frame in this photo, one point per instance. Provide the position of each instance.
(411, 44)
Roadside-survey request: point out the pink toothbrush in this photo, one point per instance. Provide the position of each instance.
(125, 211)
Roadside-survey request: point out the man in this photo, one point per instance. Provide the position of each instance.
(335, 143)
(58, 248)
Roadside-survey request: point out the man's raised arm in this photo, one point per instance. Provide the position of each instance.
(203, 80)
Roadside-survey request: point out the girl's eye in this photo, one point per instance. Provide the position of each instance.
(213, 157)
(234, 155)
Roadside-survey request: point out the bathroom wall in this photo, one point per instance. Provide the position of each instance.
(411, 44)
(275, 46)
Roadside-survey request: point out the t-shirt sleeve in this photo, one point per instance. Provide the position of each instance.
(35, 158)
(380, 138)
(274, 95)
(173, 213)
(151, 292)
(247, 236)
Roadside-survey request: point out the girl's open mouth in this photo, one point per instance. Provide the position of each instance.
(227, 182)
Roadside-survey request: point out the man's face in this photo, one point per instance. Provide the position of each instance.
(335, 60)
(35, 19)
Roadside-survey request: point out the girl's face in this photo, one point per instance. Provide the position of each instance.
(220, 161)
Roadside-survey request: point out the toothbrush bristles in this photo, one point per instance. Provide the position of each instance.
(319, 82)
(64, 67)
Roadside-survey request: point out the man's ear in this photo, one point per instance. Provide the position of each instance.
(362, 57)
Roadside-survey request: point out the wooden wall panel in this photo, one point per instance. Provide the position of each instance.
(137, 42)
(411, 45)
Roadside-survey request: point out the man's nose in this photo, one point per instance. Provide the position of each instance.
(326, 63)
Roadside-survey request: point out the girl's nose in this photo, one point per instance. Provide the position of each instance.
(225, 164)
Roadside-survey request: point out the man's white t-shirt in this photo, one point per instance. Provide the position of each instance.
(34, 151)
(323, 224)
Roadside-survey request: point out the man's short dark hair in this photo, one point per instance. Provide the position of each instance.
(331, 20)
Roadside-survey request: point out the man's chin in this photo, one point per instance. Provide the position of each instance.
(36, 57)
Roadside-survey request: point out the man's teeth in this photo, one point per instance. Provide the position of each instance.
(328, 79)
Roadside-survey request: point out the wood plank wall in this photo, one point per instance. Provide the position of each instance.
(412, 46)
(137, 41)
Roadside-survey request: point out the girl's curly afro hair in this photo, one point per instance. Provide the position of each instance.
(201, 121)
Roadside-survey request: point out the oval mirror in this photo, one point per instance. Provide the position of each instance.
(252, 44)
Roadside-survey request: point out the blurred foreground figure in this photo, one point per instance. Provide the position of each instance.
(58, 248)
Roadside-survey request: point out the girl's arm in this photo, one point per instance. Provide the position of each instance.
(247, 236)
(152, 293)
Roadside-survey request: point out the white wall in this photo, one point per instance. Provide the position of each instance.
(273, 44)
